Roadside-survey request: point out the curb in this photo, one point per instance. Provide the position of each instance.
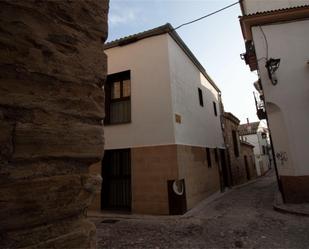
(294, 209)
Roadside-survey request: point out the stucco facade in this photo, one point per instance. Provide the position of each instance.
(285, 36)
(241, 163)
(171, 136)
(257, 135)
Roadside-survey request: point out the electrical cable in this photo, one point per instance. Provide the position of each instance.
(266, 42)
(210, 14)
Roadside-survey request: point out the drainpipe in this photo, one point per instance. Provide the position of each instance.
(274, 158)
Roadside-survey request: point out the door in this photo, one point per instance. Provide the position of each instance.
(247, 167)
(224, 167)
(116, 185)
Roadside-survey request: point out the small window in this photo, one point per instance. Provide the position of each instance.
(235, 143)
(215, 108)
(264, 149)
(216, 155)
(208, 157)
(118, 98)
(200, 97)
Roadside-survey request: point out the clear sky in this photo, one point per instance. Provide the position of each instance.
(216, 41)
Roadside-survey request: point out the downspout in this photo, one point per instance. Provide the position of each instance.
(275, 161)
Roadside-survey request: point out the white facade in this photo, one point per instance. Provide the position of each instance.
(164, 82)
(262, 162)
(287, 102)
(254, 6)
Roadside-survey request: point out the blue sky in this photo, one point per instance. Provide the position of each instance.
(216, 41)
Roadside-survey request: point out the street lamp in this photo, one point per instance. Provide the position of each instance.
(272, 66)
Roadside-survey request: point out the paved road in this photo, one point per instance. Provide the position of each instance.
(242, 218)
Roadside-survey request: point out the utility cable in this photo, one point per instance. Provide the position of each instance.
(210, 14)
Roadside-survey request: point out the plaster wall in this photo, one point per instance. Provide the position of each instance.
(253, 6)
(287, 102)
(261, 160)
(199, 126)
(151, 106)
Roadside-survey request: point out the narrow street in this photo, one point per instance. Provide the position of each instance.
(242, 218)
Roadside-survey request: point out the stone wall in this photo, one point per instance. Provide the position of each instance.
(201, 179)
(52, 68)
(152, 167)
(247, 150)
(236, 162)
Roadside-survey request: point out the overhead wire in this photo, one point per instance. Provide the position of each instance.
(208, 15)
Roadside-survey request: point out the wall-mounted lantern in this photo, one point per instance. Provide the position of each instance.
(272, 66)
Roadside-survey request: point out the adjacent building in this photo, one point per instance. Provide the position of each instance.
(240, 155)
(257, 134)
(276, 34)
(164, 147)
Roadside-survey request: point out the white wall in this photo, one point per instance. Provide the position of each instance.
(199, 126)
(253, 6)
(288, 101)
(151, 104)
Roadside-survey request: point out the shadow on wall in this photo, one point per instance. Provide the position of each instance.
(280, 138)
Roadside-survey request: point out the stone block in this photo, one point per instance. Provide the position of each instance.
(79, 141)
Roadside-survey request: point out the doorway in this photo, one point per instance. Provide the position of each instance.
(247, 167)
(225, 170)
(116, 185)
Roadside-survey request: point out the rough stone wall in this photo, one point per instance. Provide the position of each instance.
(236, 163)
(52, 67)
(201, 179)
(247, 150)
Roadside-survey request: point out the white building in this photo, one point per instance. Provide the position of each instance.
(162, 126)
(256, 134)
(277, 43)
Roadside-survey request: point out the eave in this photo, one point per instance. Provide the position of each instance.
(269, 17)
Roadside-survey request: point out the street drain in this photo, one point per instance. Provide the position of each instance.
(109, 221)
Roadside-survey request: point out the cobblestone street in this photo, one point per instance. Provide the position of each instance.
(242, 218)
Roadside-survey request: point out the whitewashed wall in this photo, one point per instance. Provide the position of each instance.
(253, 6)
(151, 113)
(164, 82)
(288, 101)
(199, 126)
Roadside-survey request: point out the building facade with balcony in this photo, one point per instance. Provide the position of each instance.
(276, 34)
(164, 148)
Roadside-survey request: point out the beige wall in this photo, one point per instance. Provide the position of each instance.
(201, 181)
(247, 150)
(152, 167)
(152, 118)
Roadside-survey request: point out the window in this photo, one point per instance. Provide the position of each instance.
(235, 143)
(118, 98)
(264, 149)
(200, 97)
(216, 155)
(215, 108)
(208, 157)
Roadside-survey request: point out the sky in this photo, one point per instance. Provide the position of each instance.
(216, 41)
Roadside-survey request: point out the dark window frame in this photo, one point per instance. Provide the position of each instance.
(216, 155)
(112, 79)
(200, 96)
(208, 156)
(235, 143)
(215, 108)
